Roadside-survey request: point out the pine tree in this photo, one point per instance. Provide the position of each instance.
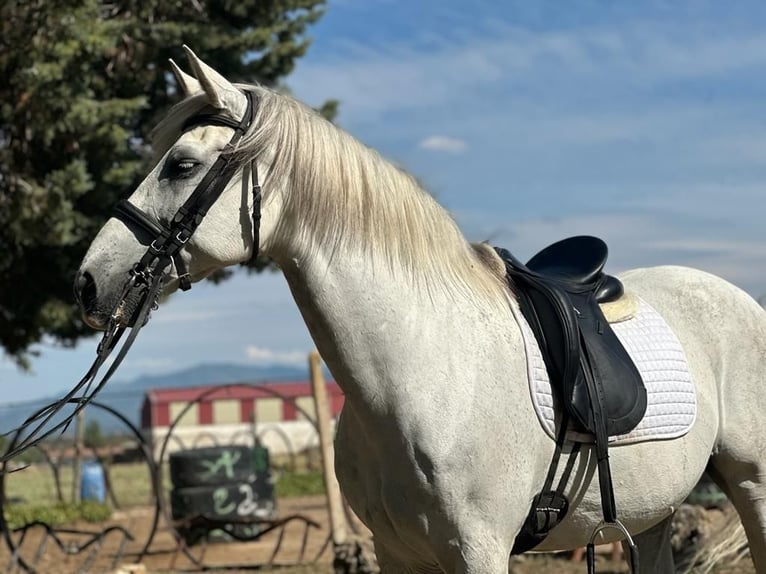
(82, 84)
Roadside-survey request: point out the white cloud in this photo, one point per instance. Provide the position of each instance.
(637, 239)
(515, 63)
(264, 356)
(443, 143)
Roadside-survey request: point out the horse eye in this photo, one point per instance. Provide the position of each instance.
(180, 168)
(186, 165)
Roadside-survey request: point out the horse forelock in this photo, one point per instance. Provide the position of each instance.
(167, 131)
(342, 195)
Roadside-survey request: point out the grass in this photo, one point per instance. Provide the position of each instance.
(35, 485)
(62, 513)
(32, 494)
(299, 484)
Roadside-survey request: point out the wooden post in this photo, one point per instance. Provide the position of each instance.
(79, 430)
(334, 500)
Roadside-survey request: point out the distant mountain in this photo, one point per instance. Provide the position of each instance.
(127, 397)
(210, 373)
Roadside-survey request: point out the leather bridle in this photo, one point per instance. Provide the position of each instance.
(146, 278)
(170, 239)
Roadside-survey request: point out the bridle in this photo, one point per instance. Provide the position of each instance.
(169, 240)
(146, 278)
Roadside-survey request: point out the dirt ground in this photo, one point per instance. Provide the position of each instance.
(47, 556)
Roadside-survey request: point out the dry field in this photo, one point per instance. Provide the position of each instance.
(164, 557)
(136, 515)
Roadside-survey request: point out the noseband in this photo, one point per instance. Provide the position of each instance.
(169, 240)
(146, 277)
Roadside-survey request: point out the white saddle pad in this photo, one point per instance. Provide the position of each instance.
(657, 353)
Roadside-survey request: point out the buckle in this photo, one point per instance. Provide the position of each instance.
(138, 273)
(155, 247)
(183, 236)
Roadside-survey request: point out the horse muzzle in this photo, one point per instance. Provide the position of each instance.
(98, 312)
(86, 295)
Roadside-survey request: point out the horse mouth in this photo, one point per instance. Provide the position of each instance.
(95, 321)
(128, 310)
(124, 314)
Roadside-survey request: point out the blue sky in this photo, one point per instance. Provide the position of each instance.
(641, 122)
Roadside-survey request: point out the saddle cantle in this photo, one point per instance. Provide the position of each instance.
(559, 291)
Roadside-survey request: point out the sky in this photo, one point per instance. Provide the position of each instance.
(640, 122)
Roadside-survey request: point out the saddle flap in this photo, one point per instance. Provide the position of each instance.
(619, 384)
(553, 321)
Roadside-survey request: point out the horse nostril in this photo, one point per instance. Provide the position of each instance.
(85, 289)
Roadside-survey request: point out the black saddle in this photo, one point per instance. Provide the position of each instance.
(594, 380)
(559, 292)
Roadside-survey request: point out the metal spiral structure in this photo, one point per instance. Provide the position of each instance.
(89, 543)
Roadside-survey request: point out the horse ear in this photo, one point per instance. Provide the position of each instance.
(221, 94)
(187, 85)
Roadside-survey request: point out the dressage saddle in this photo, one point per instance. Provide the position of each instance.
(559, 292)
(594, 381)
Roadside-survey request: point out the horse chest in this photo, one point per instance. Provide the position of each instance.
(389, 488)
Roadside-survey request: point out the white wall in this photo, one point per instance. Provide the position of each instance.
(278, 437)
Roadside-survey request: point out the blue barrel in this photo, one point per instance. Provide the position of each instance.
(92, 483)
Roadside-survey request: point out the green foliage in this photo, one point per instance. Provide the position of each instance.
(83, 82)
(299, 484)
(30, 456)
(92, 436)
(17, 515)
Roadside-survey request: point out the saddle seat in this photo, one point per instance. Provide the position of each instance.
(577, 259)
(580, 261)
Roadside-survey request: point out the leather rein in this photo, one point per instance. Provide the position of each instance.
(147, 277)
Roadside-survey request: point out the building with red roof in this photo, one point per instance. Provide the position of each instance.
(280, 413)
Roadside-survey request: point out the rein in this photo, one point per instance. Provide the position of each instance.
(147, 277)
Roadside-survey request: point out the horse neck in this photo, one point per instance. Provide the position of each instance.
(378, 327)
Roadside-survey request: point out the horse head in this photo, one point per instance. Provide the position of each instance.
(198, 210)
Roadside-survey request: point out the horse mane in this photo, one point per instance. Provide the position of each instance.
(345, 195)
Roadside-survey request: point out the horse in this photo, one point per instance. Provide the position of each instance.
(438, 448)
